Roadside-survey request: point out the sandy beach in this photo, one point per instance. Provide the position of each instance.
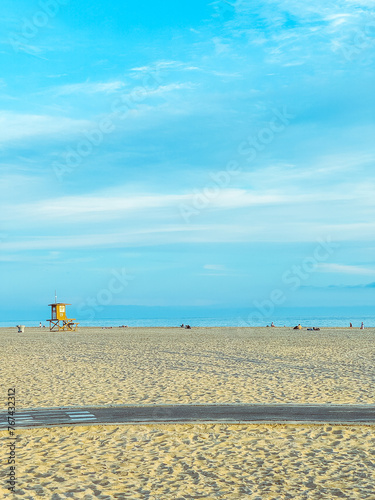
(203, 365)
(186, 462)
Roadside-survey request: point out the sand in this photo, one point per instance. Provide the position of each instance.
(172, 462)
(206, 365)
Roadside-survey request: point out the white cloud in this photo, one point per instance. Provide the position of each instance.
(81, 208)
(15, 126)
(109, 206)
(119, 203)
(147, 232)
(159, 65)
(21, 45)
(90, 88)
(128, 238)
(139, 93)
(214, 267)
(345, 269)
(338, 19)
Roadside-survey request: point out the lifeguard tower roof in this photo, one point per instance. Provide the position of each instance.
(59, 304)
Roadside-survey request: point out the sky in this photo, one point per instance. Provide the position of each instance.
(212, 154)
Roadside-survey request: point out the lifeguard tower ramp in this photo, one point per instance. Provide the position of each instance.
(59, 321)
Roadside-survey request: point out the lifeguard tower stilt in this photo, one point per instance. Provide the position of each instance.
(59, 321)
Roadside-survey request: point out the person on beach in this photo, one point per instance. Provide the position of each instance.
(273, 325)
(362, 326)
(350, 325)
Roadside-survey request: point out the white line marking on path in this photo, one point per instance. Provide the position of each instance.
(86, 419)
(76, 412)
(82, 415)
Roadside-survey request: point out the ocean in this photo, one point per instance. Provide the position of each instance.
(172, 317)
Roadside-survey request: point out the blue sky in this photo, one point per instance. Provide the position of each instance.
(204, 147)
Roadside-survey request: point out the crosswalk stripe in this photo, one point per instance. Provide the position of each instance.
(83, 418)
(78, 413)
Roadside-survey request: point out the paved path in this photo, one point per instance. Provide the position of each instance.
(289, 413)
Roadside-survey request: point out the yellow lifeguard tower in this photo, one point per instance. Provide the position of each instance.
(59, 321)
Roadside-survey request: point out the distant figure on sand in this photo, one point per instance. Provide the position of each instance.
(350, 325)
(40, 325)
(298, 327)
(273, 324)
(188, 327)
(182, 326)
(362, 326)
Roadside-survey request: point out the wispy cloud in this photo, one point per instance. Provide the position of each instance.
(214, 267)
(164, 65)
(127, 238)
(14, 126)
(158, 91)
(90, 88)
(81, 208)
(112, 206)
(25, 47)
(345, 269)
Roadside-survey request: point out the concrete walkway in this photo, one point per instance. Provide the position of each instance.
(287, 413)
